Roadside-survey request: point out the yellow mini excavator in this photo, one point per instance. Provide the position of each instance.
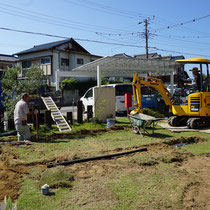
(194, 111)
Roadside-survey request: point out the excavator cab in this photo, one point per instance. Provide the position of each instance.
(195, 112)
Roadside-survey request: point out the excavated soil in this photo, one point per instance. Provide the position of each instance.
(9, 176)
(196, 195)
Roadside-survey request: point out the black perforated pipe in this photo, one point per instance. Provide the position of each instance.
(96, 158)
(10, 133)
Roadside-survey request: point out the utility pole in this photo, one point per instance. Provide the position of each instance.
(146, 34)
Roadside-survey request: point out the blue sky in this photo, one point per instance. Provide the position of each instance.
(83, 18)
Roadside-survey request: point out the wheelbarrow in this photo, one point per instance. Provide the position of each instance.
(141, 122)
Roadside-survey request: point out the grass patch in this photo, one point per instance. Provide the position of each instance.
(31, 197)
(60, 181)
(158, 189)
(44, 130)
(92, 144)
(88, 125)
(197, 149)
(54, 177)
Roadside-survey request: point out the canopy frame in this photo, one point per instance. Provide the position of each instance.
(112, 66)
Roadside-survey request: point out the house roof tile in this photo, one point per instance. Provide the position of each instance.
(8, 58)
(49, 46)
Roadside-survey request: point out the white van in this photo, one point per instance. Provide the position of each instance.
(121, 89)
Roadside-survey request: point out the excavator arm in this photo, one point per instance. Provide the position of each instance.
(152, 82)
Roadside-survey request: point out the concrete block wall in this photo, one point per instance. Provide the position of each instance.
(104, 102)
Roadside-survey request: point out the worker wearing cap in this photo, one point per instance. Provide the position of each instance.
(20, 118)
(197, 78)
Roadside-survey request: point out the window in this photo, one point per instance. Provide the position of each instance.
(122, 89)
(64, 62)
(146, 90)
(80, 61)
(46, 60)
(26, 64)
(89, 94)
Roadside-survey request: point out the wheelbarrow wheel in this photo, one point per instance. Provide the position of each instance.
(135, 129)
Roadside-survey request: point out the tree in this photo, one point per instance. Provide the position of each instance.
(13, 87)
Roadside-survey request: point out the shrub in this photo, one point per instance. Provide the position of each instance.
(153, 113)
(69, 84)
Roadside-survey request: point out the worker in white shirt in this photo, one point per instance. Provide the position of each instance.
(20, 118)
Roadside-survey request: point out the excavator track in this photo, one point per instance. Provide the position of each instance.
(195, 123)
(177, 121)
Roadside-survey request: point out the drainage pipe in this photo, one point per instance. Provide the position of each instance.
(10, 133)
(96, 158)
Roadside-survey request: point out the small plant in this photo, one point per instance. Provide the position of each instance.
(8, 204)
(109, 116)
(100, 108)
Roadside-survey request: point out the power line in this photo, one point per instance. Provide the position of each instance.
(119, 34)
(96, 41)
(114, 9)
(180, 46)
(56, 18)
(183, 28)
(173, 51)
(187, 37)
(64, 37)
(106, 9)
(46, 20)
(97, 9)
(133, 41)
(183, 23)
(184, 41)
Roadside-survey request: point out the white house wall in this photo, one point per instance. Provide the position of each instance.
(56, 55)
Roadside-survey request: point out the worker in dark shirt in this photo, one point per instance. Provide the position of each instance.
(197, 78)
(183, 78)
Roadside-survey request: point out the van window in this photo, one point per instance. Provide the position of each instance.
(89, 94)
(146, 90)
(122, 89)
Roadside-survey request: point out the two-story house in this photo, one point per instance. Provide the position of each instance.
(63, 55)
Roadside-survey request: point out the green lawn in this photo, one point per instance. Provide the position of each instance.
(147, 180)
